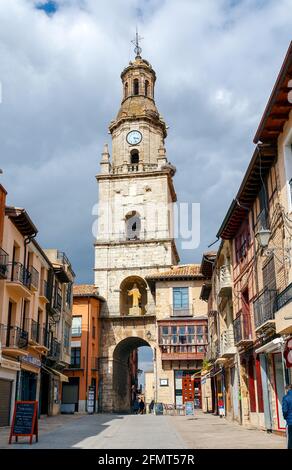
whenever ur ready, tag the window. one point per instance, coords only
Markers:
(66, 336)
(242, 242)
(184, 335)
(146, 87)
(136, 86)
(76, 358)
(180, 298)
(76, 326)
(133, 226)
(126, 89)
(69, 294)
(134, 157)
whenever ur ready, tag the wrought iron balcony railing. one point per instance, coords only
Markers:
(44, 289)
(227, 346)
(242, 328)
(58, 300)
(46, 337)
(77, 363)
(13, 337)
(34, 278)
(33, 329)
(18, 273)
(3, 264)
(284, 297)
(55, 350)
(76, 331)
(264, 307)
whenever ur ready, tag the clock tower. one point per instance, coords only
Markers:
(135, 229)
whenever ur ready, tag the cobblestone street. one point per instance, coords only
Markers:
(144, 432)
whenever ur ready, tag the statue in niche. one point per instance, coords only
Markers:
(135, 293)
(136, 296)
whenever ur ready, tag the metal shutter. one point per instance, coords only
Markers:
(5, 399)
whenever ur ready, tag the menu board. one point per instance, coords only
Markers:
(25, 420)
(189, 407)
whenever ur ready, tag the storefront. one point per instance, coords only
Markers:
(51, 390)
(9, 371)
(187, 387)
(29, 385)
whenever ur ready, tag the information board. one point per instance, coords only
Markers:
(189, 407)
(25, 420)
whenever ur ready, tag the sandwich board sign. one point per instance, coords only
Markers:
(25, 420)
(189, 408)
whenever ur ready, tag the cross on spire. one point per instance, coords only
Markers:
(135, 41)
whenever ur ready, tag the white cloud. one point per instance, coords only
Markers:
(215, 64)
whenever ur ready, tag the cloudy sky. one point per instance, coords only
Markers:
(60, 64)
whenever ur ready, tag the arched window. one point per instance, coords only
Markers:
(133, 226)
(134, 156)
(146, 87)
(136, 86)
(126, 89)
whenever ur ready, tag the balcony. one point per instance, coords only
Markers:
(55, 350)
(58, 300)
(227, 346)
(34, 279)
(225, 282)
(3, 264)
(13, 340)
(34, 330)
(183, 352)
(186, 311)
(213, 351)
(44, 291)
(78, 363)
(283, 315)
(46, 338)
(242, 329)
(264, 309)
(134, 168)
(19, 279)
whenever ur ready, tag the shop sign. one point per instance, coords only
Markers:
(288, 353)
(163, 382)
(7, 364)
(34, 361)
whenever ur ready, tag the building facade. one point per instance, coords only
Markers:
(83, 371)
(182, 335)
(257, 237)
(26, 335)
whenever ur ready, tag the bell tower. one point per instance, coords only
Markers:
(135, 222)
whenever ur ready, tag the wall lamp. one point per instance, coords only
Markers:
(263, 237)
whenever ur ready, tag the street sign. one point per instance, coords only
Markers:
(25, 420)
(189, 408)
(90, 400)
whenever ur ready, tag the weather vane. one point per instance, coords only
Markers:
(135, 41)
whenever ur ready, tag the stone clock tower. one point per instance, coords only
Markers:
(135, 230)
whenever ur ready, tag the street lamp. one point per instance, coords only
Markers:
(263, 237)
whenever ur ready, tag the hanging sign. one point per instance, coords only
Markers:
(25, 420)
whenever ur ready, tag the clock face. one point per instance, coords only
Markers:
(134, 137)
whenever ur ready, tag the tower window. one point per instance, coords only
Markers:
(126, 89)
(133, 226)
(134, 156)
(136, 86)
(146, 87)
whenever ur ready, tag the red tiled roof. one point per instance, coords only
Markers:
(187, 270)
(85, 289)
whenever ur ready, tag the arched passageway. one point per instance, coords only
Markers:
(125, 372)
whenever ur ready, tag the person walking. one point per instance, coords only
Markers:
(151, 406)
(136, 407)
(287, 414)
(141, 406)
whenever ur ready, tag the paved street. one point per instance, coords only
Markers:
(145, 432)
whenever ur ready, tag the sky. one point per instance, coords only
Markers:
(60, 63)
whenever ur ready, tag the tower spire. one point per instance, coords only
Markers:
(135, 41)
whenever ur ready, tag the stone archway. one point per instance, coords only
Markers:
(122, 373)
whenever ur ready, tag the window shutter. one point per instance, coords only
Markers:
(269, 276)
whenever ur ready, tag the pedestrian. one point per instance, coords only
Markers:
(151, 406)
(141, 406)
(136, 406)
(287, 413)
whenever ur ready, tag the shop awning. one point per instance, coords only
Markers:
(274, 345)
(62, 377)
